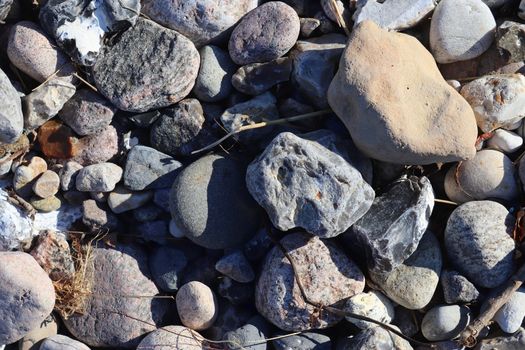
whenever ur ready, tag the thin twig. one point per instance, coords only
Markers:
(47, 79)
(340, 20)
(85, 81)
(444, 201)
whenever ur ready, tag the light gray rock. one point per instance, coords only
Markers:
(521, 10)
(300, 183)
(47, 184)
(495, 3)
(5, 7)
(509, 36)
(256, 78)
(236, 266)
(328, 276)
(461, 30)
(391, 229)
(250, 336)
(164, 338)
(11, 117)
(61, 342)
(505, 141)
(147, 168)
(329, 10)
(215, 74)
(100, 177)
(457, 288)
(33, 339)
(308, 26)
(14, 227)
(393, 14)
(445, 322)
(27, 295)
(497, 100)
(373, 305)
(413, 283)
(68, 175)
(479, 244)
(201, 21)
(505, 342)
(197, 305)
(122, 199)
(510, 316)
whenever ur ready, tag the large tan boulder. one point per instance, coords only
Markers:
(396, 105)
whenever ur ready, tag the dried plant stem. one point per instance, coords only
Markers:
(444, 201)
(85, 82)
(47, 79)
(469, 336)
(340, 20)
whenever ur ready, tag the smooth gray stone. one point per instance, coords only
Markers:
(101, 177)
(251, 336)
(11, 117)
(61, 342)
(214, 82)
(236, 266)
(510, 316)
(256, 78)
(445, 322)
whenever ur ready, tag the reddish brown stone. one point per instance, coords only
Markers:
(53, 254)
(57, 140)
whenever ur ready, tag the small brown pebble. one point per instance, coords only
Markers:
(47, 184)
(56, 140)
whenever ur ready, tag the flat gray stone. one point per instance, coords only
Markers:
(300, 183)
(445, 322)
(11, 117)
(101, 177)
(164, 338)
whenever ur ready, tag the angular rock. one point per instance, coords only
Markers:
(202, 21)
(97, 148)
(100, 177)
(14, 227)
(68, 175)
(121, 199)
(505, 141)
(328, 276)
(52, 252)
(47, 184)
(497, 100)
(197, 305)
(57, 140)
(147, 168)
(5, 7)
(237, 267)
(510, 316)
(461, 30)
(166, 264)
(215, 74)
(210, 204)
(373, 305)
(510, 38)
(394, 15)
(457, 289)
(61, 342)
(95, 217)
(256, 78)
(11, 117)
(250, 336)
(300, 183)
(308, 26)
(505, 342)
(479, 243)
(87, 112)
(412, 284)
(161, 73)
(27, 295)
(391, 229)
(79, 26)
(445, 322)
(164, 338)
(418, 119)
(115, 271)
(264, 34)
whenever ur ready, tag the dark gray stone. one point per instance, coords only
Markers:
(510, 39)
(304, 341)
(11, 117)
(181, 129)
(376, 338)
(256, 78)
(479, 243)
(78, 26)
(236, 266)
(147, 168)
(457, 288)
(515, 341)
(211, 205)
(160, 74)
(161, 198)
(149, 212)
(166, 264)
(235, 292)
(68, 174)
(257, 247)
(391, 230)
(250, 336)
(300, 183)
(328, 276)
(264, 34)
(214, 82)
(201, 269)
(154, 231)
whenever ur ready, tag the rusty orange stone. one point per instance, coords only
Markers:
(57, 140)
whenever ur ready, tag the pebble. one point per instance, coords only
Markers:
(461, 30)
(215, 74)
(35, 54)
(180, 129)
(11, 117)
(445, 322)
(117, 270)
(457, 288)
(56, 140)
(147, 168)
(26, 175)
(100, 177)
(478, 242)
(497, 100)
(373, 305)
(201, 22)
(68, 175)
(96, 218)
(197, 305)
(413, 283)
(236, 266)
(61, 342)
(327, 274)
(87, 112)
(257, 78)
(160, 74)
(300, 183)
(250, 336)
(164, 338)
(166, 264)
(308, 26)
(515, 341)
(45, 102)
(174, 230)
(47, 184)
(509, 38)
(153, 231)
(380, 120)
(33, 339)
(376, 338)
(46, 205)
(394, 15)
(392, 228)
(14, 228)
(304, 341)
(51, 251)
(121, 199)
(210, 204)
(510, 316)
(253, 39)
(505, 141)
(27, 296)
(96, 148)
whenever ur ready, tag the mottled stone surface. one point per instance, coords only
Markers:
(300, 183)
(394, 15)
(504, 342)
(373, 305)
(479, 243)
(256, 78)
(11, 117)
(47, 184)
(33, 340)
(445, 322)
(197, 305)
(164, 338)
(457, 288)
(52, 253)
(161, 73)
(510, 38)
(120, 271)
(510, 316)
(328, 276)
(96, 148)
(391, 229)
